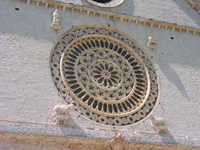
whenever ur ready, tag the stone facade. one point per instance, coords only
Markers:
(28, 94)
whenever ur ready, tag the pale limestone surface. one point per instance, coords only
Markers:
(28, 94)
(173, 11)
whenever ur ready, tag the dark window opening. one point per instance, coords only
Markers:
(102, 1)
(17, 9)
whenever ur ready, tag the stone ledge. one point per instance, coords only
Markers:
(11, 130)
(78, 142)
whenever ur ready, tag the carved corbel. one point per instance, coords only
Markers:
(55, 25)
(61, 113)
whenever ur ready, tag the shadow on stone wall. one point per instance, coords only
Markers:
(72, 129)
(174, 78)
(168, 139)
(187, 9)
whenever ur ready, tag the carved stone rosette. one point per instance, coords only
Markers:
(110, 79)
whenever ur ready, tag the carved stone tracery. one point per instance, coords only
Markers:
(110, 79)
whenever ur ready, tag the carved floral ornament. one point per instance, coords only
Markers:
(105, 74)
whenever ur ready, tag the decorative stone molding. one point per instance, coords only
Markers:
(158, 125)
(151, 43)
(112, 81)
(117, 142)
(114, 16)
(112, 3)
(79, 143)
(61, 114)
(195, 5)
(55, 25)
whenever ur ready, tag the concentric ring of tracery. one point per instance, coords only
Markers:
(110, 79)
(88, 78)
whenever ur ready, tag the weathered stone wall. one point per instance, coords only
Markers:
(173, 11)
(28, 94)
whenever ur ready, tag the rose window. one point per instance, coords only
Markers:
(108, 78)
(106, 74)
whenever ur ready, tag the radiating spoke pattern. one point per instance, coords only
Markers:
(105, 74)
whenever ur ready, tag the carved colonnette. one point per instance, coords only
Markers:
(77, 143)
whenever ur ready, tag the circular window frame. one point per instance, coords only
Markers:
(112, 3)
(75, 33)
(111, 102)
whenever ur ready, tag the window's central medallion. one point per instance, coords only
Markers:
(110, 79)
(105, 74)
